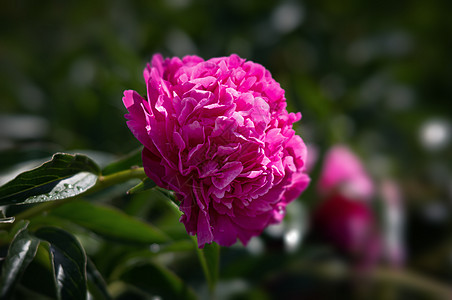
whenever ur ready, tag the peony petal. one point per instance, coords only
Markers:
(257, 222)
(300, 182)
(227, 174)
(188, 105)
(203, 230)
(157, 63)
(178, 140)
(152, 167)
(224, 230)
(137, 123)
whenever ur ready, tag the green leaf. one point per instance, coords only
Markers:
(131, 160)
(157, 281)
(43, 284)
(209, 257)
(177, 246)
(96, 283)
(142, 186)
(65, 175)
(110, 222)
(68, 263)
(21, 252)
(170, 195)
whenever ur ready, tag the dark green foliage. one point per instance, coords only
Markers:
(68, 263)
(157, 281)
(110, 223)
(20, 253)
(64, 176)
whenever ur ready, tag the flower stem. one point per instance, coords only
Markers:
(382, 275)
(413, 281)
(209, 257)
(116, 178)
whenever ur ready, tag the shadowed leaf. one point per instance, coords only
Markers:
(96, 283)
(157, 281)
(64, 176)
(68, 262)
(21, 252)
(110, 222)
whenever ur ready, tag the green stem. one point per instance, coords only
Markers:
(397, 277)
(413, 281)
(209, 257)
(102, 183)
(115, 178)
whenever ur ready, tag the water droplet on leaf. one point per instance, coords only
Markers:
(68, 186)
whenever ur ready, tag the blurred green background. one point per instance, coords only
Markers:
(374, 76)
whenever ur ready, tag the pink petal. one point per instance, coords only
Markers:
(227, 174)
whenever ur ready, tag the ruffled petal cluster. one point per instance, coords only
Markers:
(218, 134)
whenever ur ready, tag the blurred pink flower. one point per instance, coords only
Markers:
(344, 217)
(313, 155)
(343, 172)
(217, 132)
(349, 225)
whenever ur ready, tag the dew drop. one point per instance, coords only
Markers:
(70, 186)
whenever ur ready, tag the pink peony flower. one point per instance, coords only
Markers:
(343, 171)
(217, 132)
(349, 225)
(345, 217)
